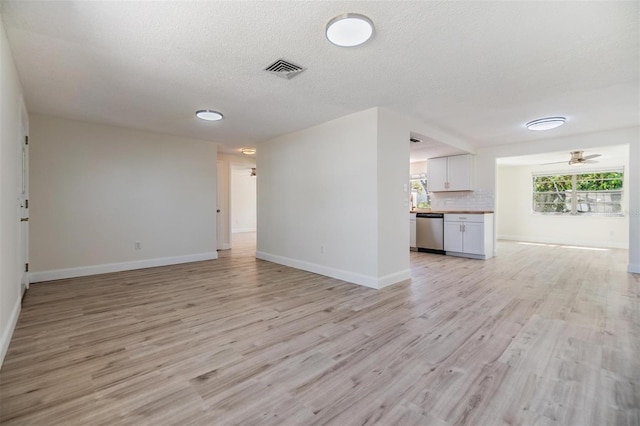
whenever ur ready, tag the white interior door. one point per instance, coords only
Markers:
(219, 222)
(223, 233)
(23, 202)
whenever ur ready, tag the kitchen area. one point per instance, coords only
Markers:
(447, 217)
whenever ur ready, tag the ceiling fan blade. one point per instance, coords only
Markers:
(591, 156)
(555, 162)
(590, 161)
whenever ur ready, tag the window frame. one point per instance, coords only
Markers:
(422, 180)
(573, 196)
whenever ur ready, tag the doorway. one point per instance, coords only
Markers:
(243, 198)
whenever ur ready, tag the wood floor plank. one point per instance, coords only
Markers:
(536, 335)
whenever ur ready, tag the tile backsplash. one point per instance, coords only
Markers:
(480, 200)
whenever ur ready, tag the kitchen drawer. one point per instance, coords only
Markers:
(461, 217)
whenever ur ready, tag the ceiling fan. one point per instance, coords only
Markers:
(577, 158)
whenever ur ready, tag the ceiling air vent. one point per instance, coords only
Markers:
(414, 140)
(284, 69)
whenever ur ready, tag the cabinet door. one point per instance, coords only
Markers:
(412, 233)
(473, 238)
(437, 174)
(459, 173)
(453, 236)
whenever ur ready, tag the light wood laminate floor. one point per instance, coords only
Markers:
(538, 335)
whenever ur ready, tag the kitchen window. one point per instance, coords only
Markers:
(590, 193)
(420, 197)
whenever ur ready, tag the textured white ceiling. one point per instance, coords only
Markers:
(475, 70)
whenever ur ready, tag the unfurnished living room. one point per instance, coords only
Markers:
(319, 212)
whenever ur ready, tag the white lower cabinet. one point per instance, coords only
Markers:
(469, 235)
(412, 230)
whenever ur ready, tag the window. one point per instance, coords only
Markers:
(419, 196)
(592, 193)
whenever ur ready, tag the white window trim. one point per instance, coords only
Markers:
(574, 199)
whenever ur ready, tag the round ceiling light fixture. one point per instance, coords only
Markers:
(248, 151)
(209, 115)
(349, 30)
(546, 123)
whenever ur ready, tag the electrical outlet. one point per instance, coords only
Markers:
(137, 245)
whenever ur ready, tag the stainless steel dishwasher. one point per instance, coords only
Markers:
(430, 232)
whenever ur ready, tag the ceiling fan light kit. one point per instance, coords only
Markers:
(546, 123)
(577, 159)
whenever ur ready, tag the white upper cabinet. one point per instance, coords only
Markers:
(437, 174)
(450, 173)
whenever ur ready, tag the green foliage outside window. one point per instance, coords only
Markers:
(550, 193)
(595, 193)
(599, 181)
(421, 198)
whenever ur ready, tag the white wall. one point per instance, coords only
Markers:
(10, 140)
(330, 196)
(392, 194)
(517, 222)
(417, 168)
(634, 204)
(97, 189)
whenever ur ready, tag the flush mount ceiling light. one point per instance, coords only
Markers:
(209, 115)
(248, 151)
(349, 30)
(546, 123)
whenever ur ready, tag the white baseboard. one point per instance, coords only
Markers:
(572, 242)
(352, 277)
(225, 246)
(82, 271)
(5, 340)
(634, 268)
(394, 278)
(238, 230)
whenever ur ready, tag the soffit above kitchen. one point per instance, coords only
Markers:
(476, 71)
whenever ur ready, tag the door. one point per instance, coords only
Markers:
(223, 218)
(429, 233)
(437, 174)
(473, 238)
(23, 201)
(412, 232)
(219, 216)
(459, 173)
(453, 236)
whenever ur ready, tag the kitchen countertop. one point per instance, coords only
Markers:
(457, 211)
